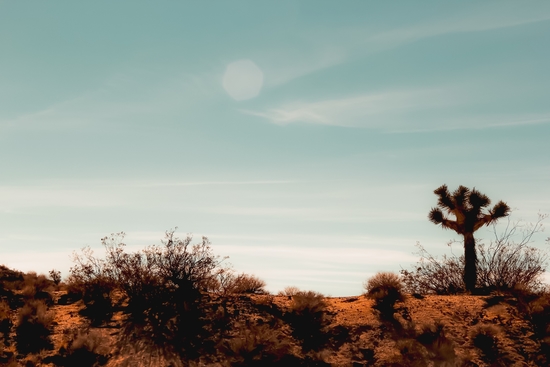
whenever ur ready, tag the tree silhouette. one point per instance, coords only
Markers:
(467, 206)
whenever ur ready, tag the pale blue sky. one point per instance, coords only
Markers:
(304, 138)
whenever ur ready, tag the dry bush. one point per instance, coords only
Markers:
(81, 348)
(508, 261)
(33, 328)
(163, 286)
(434, 275)
(486, 337)
(257, 346)
(307, 315)
(55, 276)
(290, 291)
(440, 348)
(247, 284)
(37, 287)
(225, 282)
(385, 289)
(5, 321)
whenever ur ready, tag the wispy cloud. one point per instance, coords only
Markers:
(128, 96)
(323, 49)
(400, 110)
(375, 110)
(483, 17)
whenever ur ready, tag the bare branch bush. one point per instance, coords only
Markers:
(507, 262)
(162, 285)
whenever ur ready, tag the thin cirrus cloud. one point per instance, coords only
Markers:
(376, 110)
(132, 95)
(401, 110)
(484, 19)
(338, 46)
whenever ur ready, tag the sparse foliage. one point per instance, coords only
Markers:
(289, 291)
(162, 285)
(385, 289)
(507, 262)
(33, 327)
(307, 316)
(257, 346)
(55, 276)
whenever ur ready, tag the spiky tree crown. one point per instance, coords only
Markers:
(467, 207)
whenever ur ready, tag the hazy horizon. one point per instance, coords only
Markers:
(303, 138)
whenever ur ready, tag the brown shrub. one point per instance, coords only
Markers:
(85, 349)
(289, 291)
(486, 337)
(441, 349)
(246, 284)
(55, 276)
(508, 261)
(307, 315)
(33, 328)
(5, 321)
(257, 345)
(385, 289)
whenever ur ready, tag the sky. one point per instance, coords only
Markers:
(303, 138)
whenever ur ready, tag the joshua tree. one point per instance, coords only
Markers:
(467, 206)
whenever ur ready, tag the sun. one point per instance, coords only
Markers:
(243, 80)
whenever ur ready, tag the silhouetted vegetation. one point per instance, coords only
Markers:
(179, 304)
(385, 289)
(466, 206)
(33, 327)
(507, 262)
(307, 315)
(55, 276)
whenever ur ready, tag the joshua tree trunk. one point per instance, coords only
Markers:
(470, 262)
(466, 206)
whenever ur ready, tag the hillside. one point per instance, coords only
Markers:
(264, 330)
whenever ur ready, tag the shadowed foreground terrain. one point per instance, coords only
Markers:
(294, 328)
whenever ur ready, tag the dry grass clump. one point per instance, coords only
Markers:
(247, 284)
(34, 326)
(225, 282)
(290, 291)
(37, 287)
(385, 289)
(440, 348)
(82, 348)
(307, 316)
(257, 345)
(486, 338)
(5, 321)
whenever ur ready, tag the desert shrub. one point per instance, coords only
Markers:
(411, 353)
(257, 345)
(164, 286)
(225, 282)
(81, 348)
(485, 338)
(37, 287)
(9, 278)
(98, 300)
(33, 327)
(247, 284)
(508, 261)
(385, 289)
(5, 321)
(307, 315)
(290, 291)
(440, 348)
(55, 276)
(434, 275)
